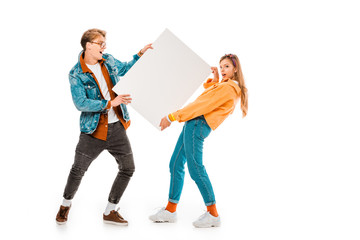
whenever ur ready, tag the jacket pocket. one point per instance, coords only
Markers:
(91, 91)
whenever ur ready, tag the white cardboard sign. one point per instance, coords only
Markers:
(164, 78)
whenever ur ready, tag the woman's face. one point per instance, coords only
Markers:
(227, 69)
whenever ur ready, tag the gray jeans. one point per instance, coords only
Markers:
(89, 148)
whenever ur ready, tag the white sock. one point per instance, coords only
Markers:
(110, 206)
(66, 203)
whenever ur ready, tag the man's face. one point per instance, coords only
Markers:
(96, 48)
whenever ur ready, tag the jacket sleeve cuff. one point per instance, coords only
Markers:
(139, 54)
(108, 106)
(208, 83)
(174, 116)
(167, 117)
(171, 117)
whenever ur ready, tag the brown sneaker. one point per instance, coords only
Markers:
(115, 218)
(61, 217)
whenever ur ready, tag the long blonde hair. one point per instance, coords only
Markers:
(239, 77)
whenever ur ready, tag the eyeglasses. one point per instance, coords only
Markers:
(101, 44)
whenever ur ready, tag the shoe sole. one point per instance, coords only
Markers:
(60, 223)
(116, 223)
(212, 225)
(162, 221)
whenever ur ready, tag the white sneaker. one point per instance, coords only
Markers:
(164, 215)
(207, 220)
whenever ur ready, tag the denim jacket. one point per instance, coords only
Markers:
(86, 93)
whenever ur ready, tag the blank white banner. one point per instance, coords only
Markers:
(164, 78)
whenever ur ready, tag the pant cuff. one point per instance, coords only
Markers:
(210, 203)
(113, 201)
(173, 201)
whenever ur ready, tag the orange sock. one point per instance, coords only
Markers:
(171, 207)
(212, 210)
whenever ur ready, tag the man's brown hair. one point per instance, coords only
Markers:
(90, 35)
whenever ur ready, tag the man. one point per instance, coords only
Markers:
(103, 121)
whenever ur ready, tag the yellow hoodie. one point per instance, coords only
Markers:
(216, 103)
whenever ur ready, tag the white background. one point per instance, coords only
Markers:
(289, 170)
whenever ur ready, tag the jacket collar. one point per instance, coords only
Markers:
(233, 83)
(85, 68)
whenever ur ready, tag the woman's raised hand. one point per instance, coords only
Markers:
(215, 71)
